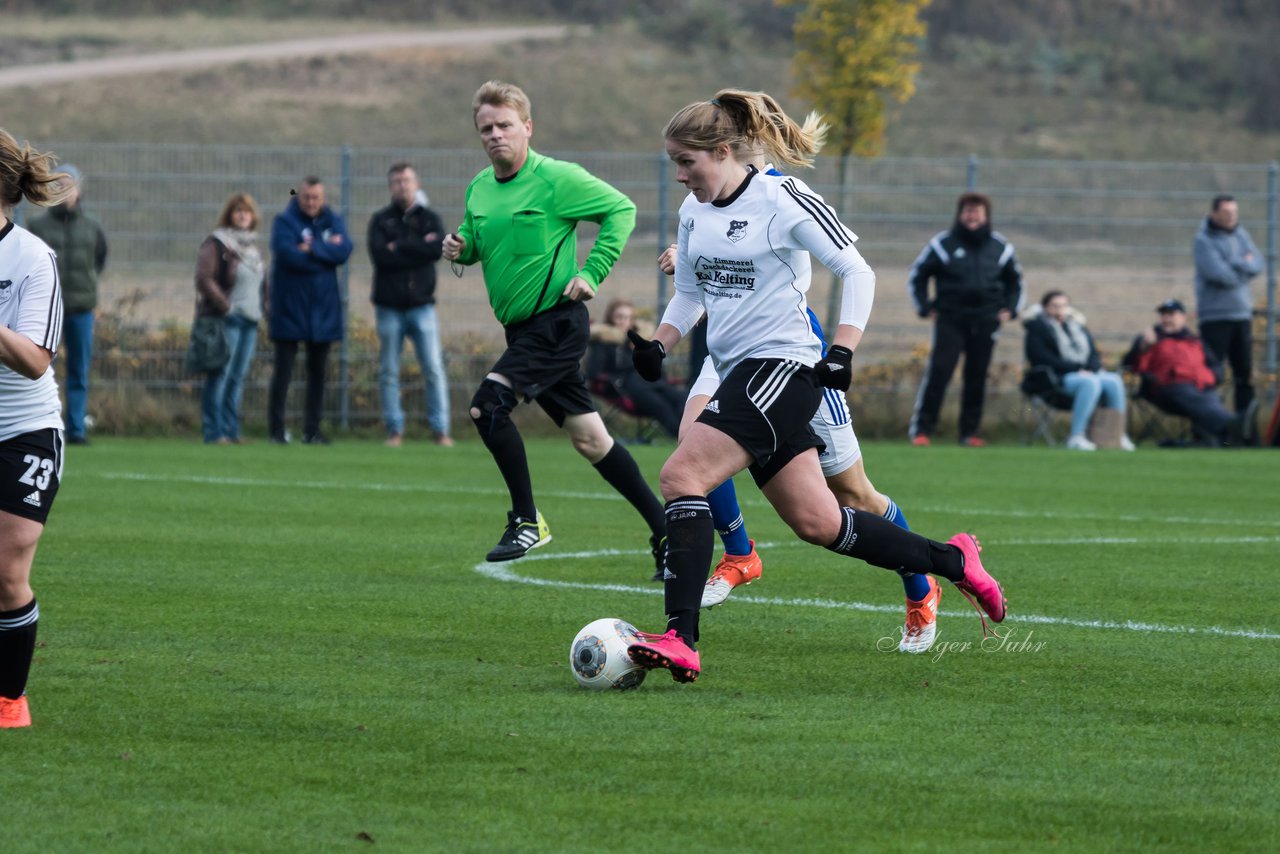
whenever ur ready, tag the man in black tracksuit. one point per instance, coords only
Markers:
(979, 286)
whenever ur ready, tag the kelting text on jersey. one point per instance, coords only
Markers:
(728, 273)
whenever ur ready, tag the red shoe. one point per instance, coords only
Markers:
(922, 621)
(731, 571)
(920, 440)
(977, 583)
(973, 442)
(669, 651)
(14, 713)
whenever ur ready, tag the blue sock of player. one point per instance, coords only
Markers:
(916, 585)
(727, 516)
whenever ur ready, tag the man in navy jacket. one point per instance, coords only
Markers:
(309, 242)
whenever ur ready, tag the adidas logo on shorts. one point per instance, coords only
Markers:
(33, 499)
(713, 406)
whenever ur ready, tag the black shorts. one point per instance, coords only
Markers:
(30, 471)
(543, 360)
(765, 405)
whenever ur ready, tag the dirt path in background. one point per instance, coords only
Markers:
(119, 66)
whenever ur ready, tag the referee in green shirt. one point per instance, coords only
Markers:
(521, 219)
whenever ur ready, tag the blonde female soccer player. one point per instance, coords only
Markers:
(739, 231)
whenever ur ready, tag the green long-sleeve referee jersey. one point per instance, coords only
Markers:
(523, 232)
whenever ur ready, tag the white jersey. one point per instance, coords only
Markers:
(746, 260)
(30, 305)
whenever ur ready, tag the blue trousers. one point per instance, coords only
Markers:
(224, 389)
(77, 345)
(419, 325)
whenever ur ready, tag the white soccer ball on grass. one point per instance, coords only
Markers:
(599, 657)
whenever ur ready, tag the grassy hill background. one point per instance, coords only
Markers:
(1141, 79)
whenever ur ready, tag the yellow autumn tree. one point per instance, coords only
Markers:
(851, 57)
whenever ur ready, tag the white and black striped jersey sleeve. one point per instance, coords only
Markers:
(816, 228)
(40, 311)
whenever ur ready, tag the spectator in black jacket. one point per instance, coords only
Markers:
(979, 286)
(404, 243)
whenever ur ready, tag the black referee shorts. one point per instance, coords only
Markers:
(543, 360)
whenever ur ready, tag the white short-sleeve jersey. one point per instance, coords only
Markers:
(745, 259)
(30, 305)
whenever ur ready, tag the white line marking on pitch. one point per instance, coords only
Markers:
(502, 572)
(749, 501)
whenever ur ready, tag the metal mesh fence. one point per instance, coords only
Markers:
(1115, 235)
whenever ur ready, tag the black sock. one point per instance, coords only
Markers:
(507, 447)
(881, 543)
(619, 468)
(690, 545)
(17, 646)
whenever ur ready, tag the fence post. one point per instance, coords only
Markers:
(971, 173)
(344, 275)
(662, 231)
(1272, 169)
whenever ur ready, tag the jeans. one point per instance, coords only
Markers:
(1087, 389)
(419, 326)
(220, 403)
(78, 344)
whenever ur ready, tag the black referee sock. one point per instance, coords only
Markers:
(17, 646)
(881, 543)
(690, 545)
(507, 448)
(619, 469)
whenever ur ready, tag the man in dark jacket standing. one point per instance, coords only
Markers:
(979, 286)
(81, 245)
(404, 245)
(309, 242)
(1226, 261)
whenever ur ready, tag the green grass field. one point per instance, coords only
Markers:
(295, 649)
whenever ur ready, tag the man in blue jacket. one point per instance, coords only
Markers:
(309, 242)
(1226, 261)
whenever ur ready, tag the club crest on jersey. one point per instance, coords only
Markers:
(6, 289)
(688, 226)
(737, 230)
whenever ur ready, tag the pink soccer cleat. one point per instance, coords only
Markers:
(982, 591)
(669, 651)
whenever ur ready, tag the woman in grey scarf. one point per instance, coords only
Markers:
(1058, 339)
(230, 280)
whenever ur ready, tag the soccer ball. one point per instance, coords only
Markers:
(599, 656)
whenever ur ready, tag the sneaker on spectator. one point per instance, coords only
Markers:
(920, 440)
(1080, 442)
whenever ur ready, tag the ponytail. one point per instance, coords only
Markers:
(28, 174)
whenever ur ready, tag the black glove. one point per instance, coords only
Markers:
(835, 370)
(647, 356)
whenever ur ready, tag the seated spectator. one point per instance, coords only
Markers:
(609, 356)
(1058, 340)
(1179, 376)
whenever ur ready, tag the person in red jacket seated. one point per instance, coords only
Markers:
(1179, 376)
